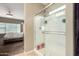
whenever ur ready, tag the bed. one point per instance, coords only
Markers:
(12, 37)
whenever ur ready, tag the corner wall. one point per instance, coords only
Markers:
(30, 9)
(69, 30)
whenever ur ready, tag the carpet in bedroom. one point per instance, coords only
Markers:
(12, 49)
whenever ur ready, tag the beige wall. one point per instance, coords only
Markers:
(30, 9)
(69, 30)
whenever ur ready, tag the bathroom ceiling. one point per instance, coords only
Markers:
(45, 4)
(16, 8)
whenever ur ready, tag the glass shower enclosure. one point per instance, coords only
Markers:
(50, 28)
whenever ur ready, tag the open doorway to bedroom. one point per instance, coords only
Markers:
(11, 28)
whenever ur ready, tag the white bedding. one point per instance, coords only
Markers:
(13, 35)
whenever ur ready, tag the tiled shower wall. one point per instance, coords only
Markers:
(55, 35)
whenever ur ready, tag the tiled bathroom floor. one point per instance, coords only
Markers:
(32, 53)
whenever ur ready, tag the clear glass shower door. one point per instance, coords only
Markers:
(49, 29)
(39, 34)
